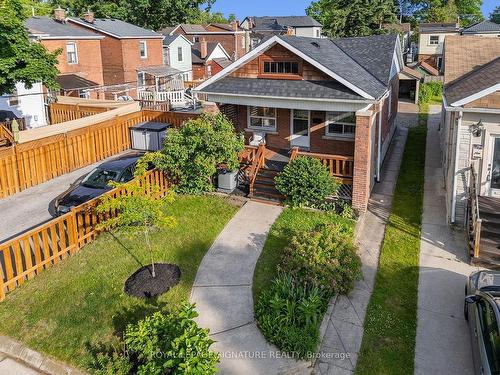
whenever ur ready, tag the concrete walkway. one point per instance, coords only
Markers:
(342, 328)
(443, 340)
(222, 292)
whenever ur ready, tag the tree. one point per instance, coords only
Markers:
(495, 15)
(469, 11)
(139, 210)
(22, 60)
(352, 17)
(191, 154)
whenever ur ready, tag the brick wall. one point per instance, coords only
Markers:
(113, 70)
(132, 57)
(232, 43)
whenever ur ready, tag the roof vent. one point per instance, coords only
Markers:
(315, 44)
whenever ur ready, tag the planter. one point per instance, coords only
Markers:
(142, 284)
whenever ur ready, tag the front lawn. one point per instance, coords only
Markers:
(78, 305)
(388, 345)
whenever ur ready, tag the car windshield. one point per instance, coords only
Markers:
(99, 178)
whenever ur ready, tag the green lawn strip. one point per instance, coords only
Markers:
(388, 345)
(81, 303)
(290, 221)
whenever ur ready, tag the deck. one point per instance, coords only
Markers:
(489, 243)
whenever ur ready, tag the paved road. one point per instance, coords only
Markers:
(30, 207)
(443, 341)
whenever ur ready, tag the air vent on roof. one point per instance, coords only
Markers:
(315, 44)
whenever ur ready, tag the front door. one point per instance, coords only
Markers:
(494, 168)
(300, 128)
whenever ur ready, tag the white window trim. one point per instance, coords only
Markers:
(181, 55)
(433, 44)
(338, 135)
(262, 128)
(76, 53)
(141, 42)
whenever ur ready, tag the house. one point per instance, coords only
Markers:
(261, 27)
(178, 55)
(431, 39)
(26, 105)
(230, 36)
(404, 29)
(129, 53)
(332, 99)
(209, 58)
(471, 139)
(484, 28)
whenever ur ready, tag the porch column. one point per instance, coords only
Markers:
(362, 174)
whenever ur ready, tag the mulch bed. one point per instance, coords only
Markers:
(142, 284)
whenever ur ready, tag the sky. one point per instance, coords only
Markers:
(243, 8)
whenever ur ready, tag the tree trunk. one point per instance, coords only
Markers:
(148, 242)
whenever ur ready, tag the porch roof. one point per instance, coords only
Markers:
(159, 71)
(293, 89)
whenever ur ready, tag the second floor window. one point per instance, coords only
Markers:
(281, 67)
(179, 54)
(143, 47)
(341, 124)
(434, 39)
(71, 53)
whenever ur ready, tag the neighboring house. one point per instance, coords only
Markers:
(471, 131)
(128, 52)
(26, 104)
(484, 28)
(230, 36)
(209, 58)
(177, 54)
(261, 27)
(404, 30)
(335, 98)
(431, 39)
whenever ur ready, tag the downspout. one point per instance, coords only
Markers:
(379, 145)
(454, 191)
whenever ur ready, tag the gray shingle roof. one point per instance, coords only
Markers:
(477, 80)
(282, 88)
(483, 27)
(52, 28)
(169, 39)
(117, 28)
(223, 62)
(279, 23)
(196, 53)
(430, 27)
(190, 29)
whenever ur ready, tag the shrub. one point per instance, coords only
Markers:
(192, 153)
(305, 182)
(325, 257)
(429, 90)
(289, 315)
(111, 364)
(171, 343)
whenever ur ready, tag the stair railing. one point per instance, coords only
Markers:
(473, 218)
(258, 162)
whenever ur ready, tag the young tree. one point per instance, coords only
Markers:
(140, 210)
(22, 60)
(495, 15)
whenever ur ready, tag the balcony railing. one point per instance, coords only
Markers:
(175, 98)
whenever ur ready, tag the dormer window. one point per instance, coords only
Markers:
(280, 69)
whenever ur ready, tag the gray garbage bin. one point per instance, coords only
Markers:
(227, 181)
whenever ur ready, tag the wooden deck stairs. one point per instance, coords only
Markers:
(489, 243)
(264, 187)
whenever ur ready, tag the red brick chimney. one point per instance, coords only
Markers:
(234, 25)
(289, 31)
(203, 48)
(89, 16)
(59, 14)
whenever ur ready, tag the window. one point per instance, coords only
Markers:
(300, 122)
(262, 118)
(141, 79)
(490, 335)
(341, 124)
(434, 39)
(71, 53)
(281, 67)
(14, 99)
(143, 48)
(439, 63)
(179, 54)
(84, 94)
(196, 39)
(318, 33)
(209, 70)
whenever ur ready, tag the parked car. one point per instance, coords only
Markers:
(482, 310)
(97, 182)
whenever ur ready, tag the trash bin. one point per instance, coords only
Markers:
(148, 136)
(227, 180)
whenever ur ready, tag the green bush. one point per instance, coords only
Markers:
(430, 90)
(192, 153)
(305, 182)
(289, 315)
(111, 364)
(325, 257)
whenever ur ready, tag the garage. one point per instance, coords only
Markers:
(409, 81)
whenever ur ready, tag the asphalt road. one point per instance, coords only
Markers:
(29, 208)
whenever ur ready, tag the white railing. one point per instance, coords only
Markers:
(175, 98)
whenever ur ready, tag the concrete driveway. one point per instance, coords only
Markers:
(29, 208)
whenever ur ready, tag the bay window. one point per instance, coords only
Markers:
(262, 118)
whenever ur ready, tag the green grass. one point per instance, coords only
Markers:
(388, 345)
(290, 221)
(80, 303)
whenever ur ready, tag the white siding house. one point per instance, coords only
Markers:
(177, 54)
(26, 103)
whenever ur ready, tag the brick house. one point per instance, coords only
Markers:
(127, 51)
(332, 99)
(230, 36)
(208, 59)
(431, 40)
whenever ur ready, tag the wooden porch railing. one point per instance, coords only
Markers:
(247, 155)
(339, 166)
(27, 255)
(474, 221)
(20, 121)
(258, 161)
(6, 136)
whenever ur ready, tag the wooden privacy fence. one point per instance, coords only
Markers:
(25, 256)
(31, 163)
(68, 112)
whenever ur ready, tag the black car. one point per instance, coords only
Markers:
(97, 182)
(482, 310)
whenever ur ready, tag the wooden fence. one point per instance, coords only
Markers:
(68, 112)
(25, 256)
(31, 163)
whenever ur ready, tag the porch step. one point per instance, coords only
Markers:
(264, 186)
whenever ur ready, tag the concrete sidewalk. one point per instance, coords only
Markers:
(222, 292)
(443, 340)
